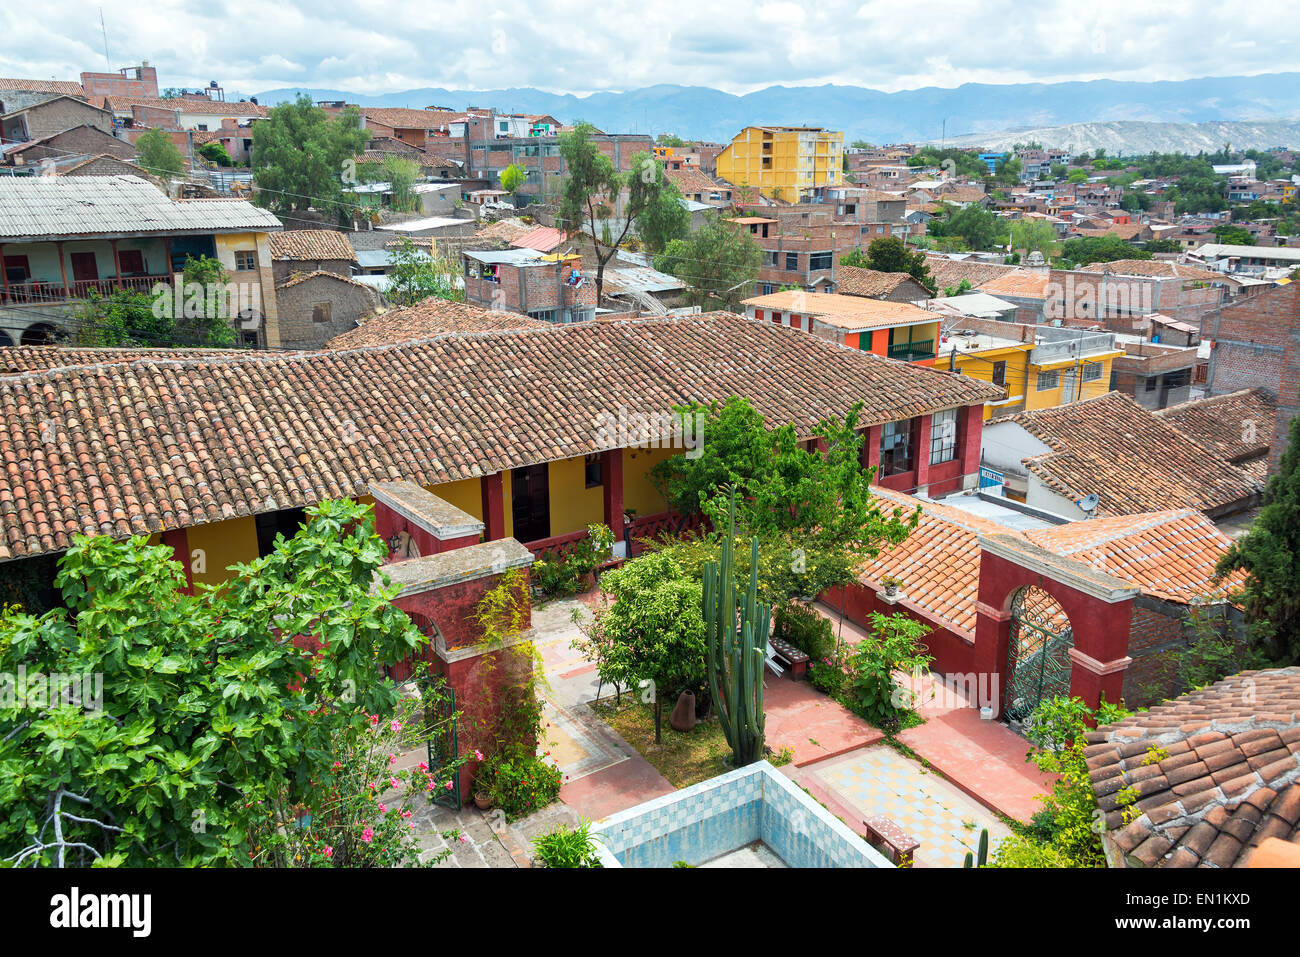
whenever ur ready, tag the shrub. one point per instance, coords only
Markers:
(556, 577)
(804, 628)
(895, 645)
(567, 847)
(522, 784)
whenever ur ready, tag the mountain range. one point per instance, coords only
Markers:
(931, 113)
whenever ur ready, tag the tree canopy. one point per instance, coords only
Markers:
(718, 263)
(157, 154)
(302, 157)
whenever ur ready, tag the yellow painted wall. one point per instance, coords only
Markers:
(573, 505)
(222, 544)
(226, 245)
(466, 495)
(980, 366)
(638, 493)
(800, 161)
(1049, 398)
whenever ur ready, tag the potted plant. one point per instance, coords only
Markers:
(484, 780)
(891, 585)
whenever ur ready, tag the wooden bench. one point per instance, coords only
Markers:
(891, 840)
(795, 659)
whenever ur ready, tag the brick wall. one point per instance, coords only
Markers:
(79, 139)
(54, 116)
(1257, 345)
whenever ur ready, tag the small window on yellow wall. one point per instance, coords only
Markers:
(1047, 381)
(245, 259)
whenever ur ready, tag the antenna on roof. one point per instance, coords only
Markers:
(108, 64)
(1088, 504)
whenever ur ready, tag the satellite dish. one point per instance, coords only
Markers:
(1089, 504)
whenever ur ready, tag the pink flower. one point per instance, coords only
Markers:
(406, 814)
(395, 725)
(329, 851)
(423, 765)
(382, 809)
(394, 782)
(430, 787)
(374, 720)
(338, 764)
(463, 839)
(374, 786)
(448, 785)
(368, 835)
(392, 759)
(478, 755)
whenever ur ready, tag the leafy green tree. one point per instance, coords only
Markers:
(206, 726)
(590, 203)
(1233, 235)
(157, 154)
(870, 689)
(417, 274)
(1077, 176)
(1033, 234)
(401, 175)
(890, 254)
(303, 157)
(125, 317)
(718, 263)
(662, 218)
(1100, 249)
(1007, 170)
(1163, 246)
(512, 177)
(979, 228)
(215, 152)
(1269, 553)
(670, 139)
(654, 630)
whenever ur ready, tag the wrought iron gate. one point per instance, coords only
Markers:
(443, 745)
(1038, 656)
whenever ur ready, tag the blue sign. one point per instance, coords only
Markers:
(990, 478)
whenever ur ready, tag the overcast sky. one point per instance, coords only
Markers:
(579, 46)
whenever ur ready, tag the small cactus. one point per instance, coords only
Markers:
(983, 851)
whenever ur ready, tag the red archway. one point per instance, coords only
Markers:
(1099, 609)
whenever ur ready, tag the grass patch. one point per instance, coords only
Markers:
(684, 759)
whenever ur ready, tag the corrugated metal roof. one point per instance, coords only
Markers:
(40, 208)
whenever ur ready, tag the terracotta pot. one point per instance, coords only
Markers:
(482, 801)
(683, 716)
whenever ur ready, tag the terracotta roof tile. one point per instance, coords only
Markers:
(871, 283)
(1134, 460)
(1237, 426)
(311, 244)
(427, 319)
(139, 447)
(1213, 812)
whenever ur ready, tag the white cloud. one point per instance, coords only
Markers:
(375, 46)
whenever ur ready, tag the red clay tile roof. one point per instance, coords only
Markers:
(950, 272)
(844, 312)
(135, 448)
(1154, 267)
(1023, 283)
(401, 118)
(186, 104)
(690, 181)
(1217, 772)
(1169, 555)
(56, 87)
(427, 319)
(302, 277)
(1131, 458)
(1237, 426)
(311, 244)
(871, 283)
(18, 359)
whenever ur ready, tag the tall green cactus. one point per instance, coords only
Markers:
(983, 859)
(738, 627)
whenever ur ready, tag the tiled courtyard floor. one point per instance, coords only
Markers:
(880, 781)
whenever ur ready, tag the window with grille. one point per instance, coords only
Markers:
(791, 260)
(245, 259)
(1091, 371)
(896, 447)
(1048, 380)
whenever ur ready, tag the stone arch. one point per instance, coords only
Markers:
(1038, 661)
(39, 334)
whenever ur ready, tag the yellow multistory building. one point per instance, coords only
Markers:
(784, 162)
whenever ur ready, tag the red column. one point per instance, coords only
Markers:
(972, 428)
(494, 507)
(611, 479)
(922, 453)
(179, 542)
(871, 448)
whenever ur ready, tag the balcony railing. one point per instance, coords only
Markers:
(43, 290)
(913, 351)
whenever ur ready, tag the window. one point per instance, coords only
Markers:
(1149, 384)
(943, 436)
(131, 261)
(896, 447)
(1047, 380)
(791, 260)
(320, 312)
(767, 288)
(819, 261)
(245, 259)
(1178, 378)
(592, 468)
(1091, 371)
(1000, 373)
